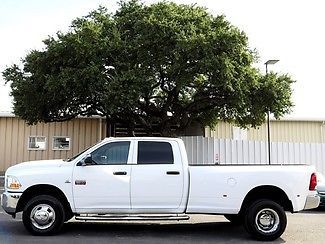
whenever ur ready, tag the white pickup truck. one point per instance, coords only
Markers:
(150, 179)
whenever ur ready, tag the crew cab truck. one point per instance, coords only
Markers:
(150, 179)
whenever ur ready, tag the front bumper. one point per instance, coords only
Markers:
(312, 201)
(9, 201)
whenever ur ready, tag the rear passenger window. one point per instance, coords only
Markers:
(150, 152)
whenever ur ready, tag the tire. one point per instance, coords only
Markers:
(43, 215)
(265, 220)
(235, 219)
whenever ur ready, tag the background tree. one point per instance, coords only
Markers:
(166, 65)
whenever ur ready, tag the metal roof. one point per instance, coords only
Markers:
(11, 114)
(286, 118)
(6, 114)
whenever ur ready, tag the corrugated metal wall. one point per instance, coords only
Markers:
(290, 131)
(222, 130)
(14, 134)
(281, 131)
(208, 150)
(84, 132)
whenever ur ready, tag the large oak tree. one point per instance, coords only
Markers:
(166, 65)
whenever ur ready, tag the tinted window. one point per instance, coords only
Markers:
(155, 153)
(112, 153)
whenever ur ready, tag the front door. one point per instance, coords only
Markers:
(104, 185)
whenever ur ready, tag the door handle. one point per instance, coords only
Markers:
(120, 173)
(172, 172)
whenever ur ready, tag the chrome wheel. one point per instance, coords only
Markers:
(42, 216)
(267, 220)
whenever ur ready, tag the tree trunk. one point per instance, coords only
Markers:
(131, 128)
(110, 127)
(113, 129)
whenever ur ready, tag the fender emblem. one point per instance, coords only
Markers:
(80, 182)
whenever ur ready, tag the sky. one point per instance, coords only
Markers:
(291, 31)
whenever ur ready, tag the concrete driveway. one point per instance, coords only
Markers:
(307, 227)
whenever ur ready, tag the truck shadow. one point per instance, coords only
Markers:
(211, 232)
(13, 231)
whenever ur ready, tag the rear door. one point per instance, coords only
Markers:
(157, 182)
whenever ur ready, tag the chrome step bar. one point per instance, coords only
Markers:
(130, 217)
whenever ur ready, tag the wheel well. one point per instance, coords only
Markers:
(43, 189)
(267, 192)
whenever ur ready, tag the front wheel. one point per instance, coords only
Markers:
(265, 220)
(43, 215)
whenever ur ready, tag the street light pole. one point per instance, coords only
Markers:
(268, 136)
(270, 61)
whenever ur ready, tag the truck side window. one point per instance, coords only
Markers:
(112, 153)
(151, 152)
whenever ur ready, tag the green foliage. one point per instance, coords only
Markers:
(144, 62)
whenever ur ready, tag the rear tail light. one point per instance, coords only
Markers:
(313, 182)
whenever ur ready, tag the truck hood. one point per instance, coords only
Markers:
(34, 166)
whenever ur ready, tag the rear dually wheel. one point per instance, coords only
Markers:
(265, 220)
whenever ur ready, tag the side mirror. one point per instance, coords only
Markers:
(86, 161)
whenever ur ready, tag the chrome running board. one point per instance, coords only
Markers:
(130, 217)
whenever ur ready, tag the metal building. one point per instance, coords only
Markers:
(284, 130)
(20, 142)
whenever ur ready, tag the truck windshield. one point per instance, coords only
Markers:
(75, 156)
